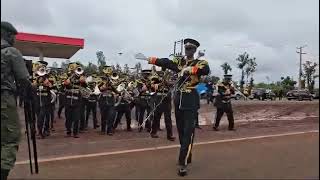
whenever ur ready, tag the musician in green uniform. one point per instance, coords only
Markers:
(223, 102)
(162, 101)
(42, 86)
(54, 91)
(186, 100)
(91, 106)
(143, 102)
(73, 97)
(107, 101)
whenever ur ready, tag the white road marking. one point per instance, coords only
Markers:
(163, 147)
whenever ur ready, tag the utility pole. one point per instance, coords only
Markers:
(300, 64)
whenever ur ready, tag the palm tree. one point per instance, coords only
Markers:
(226, 67)
(309, 73)
(250, 68)
(243, 60)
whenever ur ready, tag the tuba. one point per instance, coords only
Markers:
(79, 70)
(114, 78)
(41, 71)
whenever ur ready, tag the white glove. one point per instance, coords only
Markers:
(186, 70)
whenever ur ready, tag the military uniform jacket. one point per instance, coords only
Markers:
(144, 98)
(107, 96)
(72, 93)
(92, 99)
(162, 92)
(186, 96)
(225, 90)
(11, 67)
(43, 95)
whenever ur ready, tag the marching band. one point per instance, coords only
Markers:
(114, 94)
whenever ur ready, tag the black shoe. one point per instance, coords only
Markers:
(76, 136)
(129, 129)
(182, 171)
(140, 129)
(159, 129)
(215, 128)
(171, 138)
(231, 129)
(4, 174)
(154, 136)
(110, 134)
(96, 126)
(102, 133)
(68, 134)
(198, 127)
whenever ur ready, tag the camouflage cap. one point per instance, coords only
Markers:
(8, 27)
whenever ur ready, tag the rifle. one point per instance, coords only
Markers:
(30, 120)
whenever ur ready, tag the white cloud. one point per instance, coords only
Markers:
(269, 30)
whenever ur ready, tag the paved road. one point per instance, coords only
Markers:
(242, 159)
(291, 156)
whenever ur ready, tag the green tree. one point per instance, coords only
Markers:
(309, 74)
(242, 59)
(55, 65)
(138, 67)
(226, 67)
(126, 69)
(287, 84)
(250, 69)
(64, 65)
(90, 68)
(118, 68)
(101, 60)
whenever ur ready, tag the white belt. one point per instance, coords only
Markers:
(72, 97)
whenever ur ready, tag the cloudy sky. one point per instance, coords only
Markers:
(269, 30)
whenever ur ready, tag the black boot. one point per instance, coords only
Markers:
(4, 174)
(182, 171)
(171, 138)
(154, 135)
(215, 128)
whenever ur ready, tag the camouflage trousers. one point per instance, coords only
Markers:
(10, 130)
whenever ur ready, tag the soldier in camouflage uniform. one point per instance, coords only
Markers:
(13, 69)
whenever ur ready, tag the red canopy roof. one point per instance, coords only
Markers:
(49, 46)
